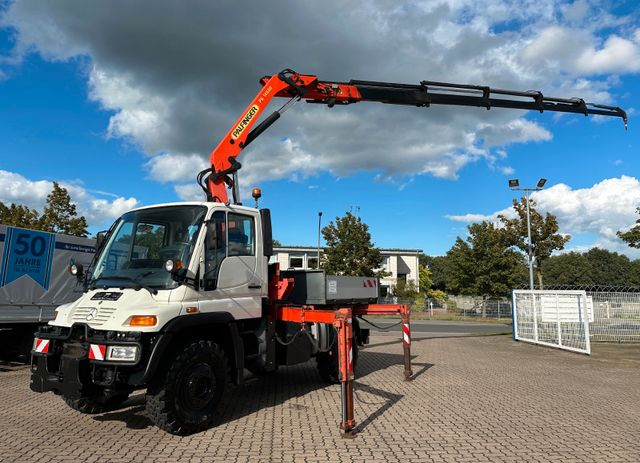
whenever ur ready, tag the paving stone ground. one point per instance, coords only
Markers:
(473, 399)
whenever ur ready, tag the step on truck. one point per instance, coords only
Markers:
(181, 299)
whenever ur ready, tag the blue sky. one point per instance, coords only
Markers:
(131, 123)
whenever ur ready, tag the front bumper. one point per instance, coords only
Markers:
(72, 365)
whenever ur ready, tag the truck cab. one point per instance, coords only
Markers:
(165, 258)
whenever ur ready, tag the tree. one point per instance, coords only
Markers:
(17, 215)
(544, 233)
(572, 268)
(594, 267)
(60, 214)
(437, 266)
(276, 243)
(349, 250)
(405, 289)
(426, 285)
(632, 236)
(634, 273)
(608, 268)
(460, 274)
(485, 264)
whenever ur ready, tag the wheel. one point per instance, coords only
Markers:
(183, 399)
(101, 403)
(328, 364)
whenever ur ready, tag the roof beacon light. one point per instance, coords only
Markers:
(257, 194)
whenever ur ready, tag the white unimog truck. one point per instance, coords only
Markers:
(175, 303)
(181, 297)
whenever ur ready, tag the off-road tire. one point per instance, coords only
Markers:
(328, 364)
(183, 398)
(97, 404)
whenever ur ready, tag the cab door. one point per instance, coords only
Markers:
(230, 266)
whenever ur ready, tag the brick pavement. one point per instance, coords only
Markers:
(473, 399)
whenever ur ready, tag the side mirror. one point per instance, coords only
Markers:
(100, 240)
(76, 270)
(267, 239)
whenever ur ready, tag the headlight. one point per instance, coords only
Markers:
(122, 353)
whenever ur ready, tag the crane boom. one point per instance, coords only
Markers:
(289, 84)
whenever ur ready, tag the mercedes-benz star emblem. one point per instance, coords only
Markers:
(92, 313)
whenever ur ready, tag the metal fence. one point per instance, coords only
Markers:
(616, 312)
(457, 306)
(616, 316)
(478, 307)
(553, 318)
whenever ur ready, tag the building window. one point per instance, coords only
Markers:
(402, 277)
(296, 262)
(385, 263)
(312, 262)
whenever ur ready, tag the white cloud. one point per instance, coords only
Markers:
(470, 218)
(507, 170)
(99, 212)
(602, 209)
(173, 80)
(616, 55)
(514, 131)
(175, 168)
(582, 53)
(576, 11)
(189, 192)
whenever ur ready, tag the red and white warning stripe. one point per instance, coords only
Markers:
(42, 346)
(406, 333)
(350, 345)
(369, 283)
(96, 351)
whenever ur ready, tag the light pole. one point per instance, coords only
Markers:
(514, 184)
(319, 222)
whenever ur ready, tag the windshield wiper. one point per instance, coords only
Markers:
(138, 286)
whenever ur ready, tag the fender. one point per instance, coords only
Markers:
(185, 322)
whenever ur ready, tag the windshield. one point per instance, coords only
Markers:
(142, 241)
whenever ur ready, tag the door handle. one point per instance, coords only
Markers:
(255, 286)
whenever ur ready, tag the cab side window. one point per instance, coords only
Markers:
(241, 235)
(215, 249)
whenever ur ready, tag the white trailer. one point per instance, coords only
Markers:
(33, 281)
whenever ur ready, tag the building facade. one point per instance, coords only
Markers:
(397, 263)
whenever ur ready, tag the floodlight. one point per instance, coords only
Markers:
(541, 182)
(514, 183)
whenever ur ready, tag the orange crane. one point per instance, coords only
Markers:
(295, 87)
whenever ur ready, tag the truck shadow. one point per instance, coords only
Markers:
(417, 339)
(288, 387)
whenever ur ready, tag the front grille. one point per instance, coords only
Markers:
(101, 317)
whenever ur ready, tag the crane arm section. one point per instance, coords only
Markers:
(289, 84)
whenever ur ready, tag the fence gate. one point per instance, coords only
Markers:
(553, 318)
